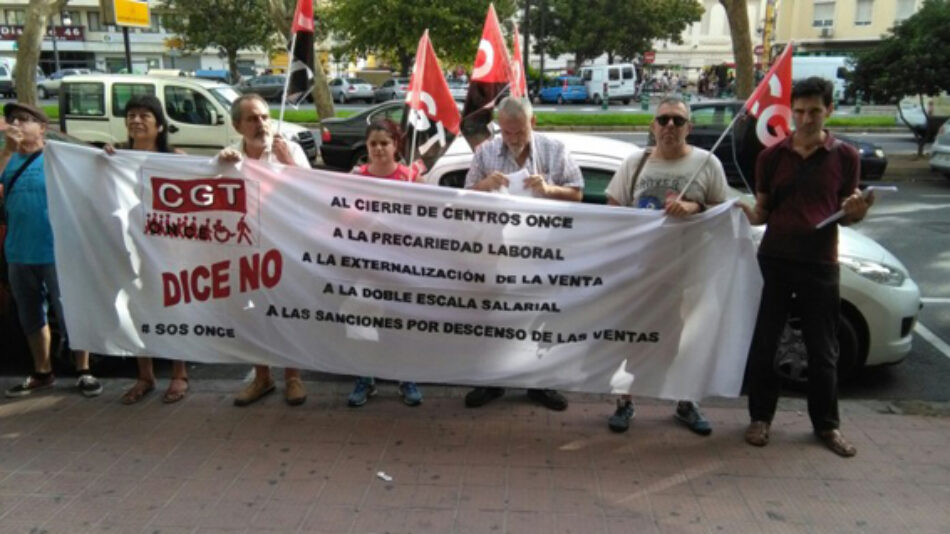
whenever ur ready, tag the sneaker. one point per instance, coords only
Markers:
(31, 384)
(365, 388)
(548, 398)
(88, 385)
(620, 420)
(482, 396)
(687, 412)
(295, 394)
(254, 392)
(410, 393)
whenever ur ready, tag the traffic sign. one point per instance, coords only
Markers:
(125, 13)
(649, 56)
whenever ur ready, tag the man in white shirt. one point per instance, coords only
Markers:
(251, 118)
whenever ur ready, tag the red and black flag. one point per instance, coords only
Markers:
(490, 77)
(300, 75)
(431, 119)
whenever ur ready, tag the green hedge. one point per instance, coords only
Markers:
(572, 119)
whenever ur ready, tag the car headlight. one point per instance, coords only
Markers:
(874, 271)
(879, 152)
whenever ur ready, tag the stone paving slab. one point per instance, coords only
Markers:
(75, 465)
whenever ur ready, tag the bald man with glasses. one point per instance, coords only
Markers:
(653, 179)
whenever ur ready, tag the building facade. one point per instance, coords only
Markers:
(838, 27)
(83, 41)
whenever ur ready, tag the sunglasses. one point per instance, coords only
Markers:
(678, 121)
(21, 117)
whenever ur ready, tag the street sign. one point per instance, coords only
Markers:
(125, 13)
(759, 50)
(649, 56)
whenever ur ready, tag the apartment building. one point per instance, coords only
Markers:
(838, 27)
(83, 41)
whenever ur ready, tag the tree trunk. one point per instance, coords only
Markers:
(738, 16)
(321, 93)
(30, 45)
(232, 65)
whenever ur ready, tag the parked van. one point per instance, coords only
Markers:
(621, 80)
(92, 108)
(832, 68)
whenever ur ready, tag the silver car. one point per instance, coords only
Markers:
(879, 300)
(344, 90)
(940, 151)
(392, 89)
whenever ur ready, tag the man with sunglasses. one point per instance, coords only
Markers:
(29, 246)
(654, 179)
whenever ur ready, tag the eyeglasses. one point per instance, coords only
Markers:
(21, 117)
(663, 120)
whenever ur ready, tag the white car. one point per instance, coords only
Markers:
(940, 151)
(49, 87)
(879, 300)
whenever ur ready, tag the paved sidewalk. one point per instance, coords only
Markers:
(74, 465)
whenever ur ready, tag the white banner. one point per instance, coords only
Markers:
(183, 258)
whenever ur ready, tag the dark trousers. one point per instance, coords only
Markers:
(816, 291)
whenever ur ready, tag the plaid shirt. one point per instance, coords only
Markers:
(552, 162)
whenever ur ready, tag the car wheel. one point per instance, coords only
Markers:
(42, 93)
(560, 100)
(598, 100)
(791, 359)
(626, 101)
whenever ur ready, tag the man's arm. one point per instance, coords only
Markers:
(757, 214)
(536, 183)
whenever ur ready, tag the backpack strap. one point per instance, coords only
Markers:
(636, 173)
(19, 172)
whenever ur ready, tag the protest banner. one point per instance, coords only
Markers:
(184, 257)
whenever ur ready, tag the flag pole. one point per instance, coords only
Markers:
(283, 99)
(710, 153)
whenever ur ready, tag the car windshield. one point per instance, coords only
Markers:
(225, 94)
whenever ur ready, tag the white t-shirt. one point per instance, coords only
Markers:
(296, 152)
(660, 178)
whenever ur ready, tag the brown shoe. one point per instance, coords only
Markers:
(295, 394)
(254, 392)
(757, 434)
(836, 442)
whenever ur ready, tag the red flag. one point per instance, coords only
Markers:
(303, 17)
(431, 118)
(519, 86)
(489, 78)
(771, 102)
(300, 72)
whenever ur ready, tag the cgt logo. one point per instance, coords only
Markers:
(203, 194)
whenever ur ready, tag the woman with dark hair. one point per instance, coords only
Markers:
(383, 142)
(148, 131)
(383, 147)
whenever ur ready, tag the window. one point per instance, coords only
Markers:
(905, 8)
(394, 114)
(85, 99)
(824, 14)
(628, 73)
(586, 74)
(71, 16)
(613, 74)
(862, 15)
(95, 23)
(595, 184)
(122, 92)
(15, 16)
(190, 107)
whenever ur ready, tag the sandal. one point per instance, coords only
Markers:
(175, 395)
(137, 392)
(757, 434)
(836, 442)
